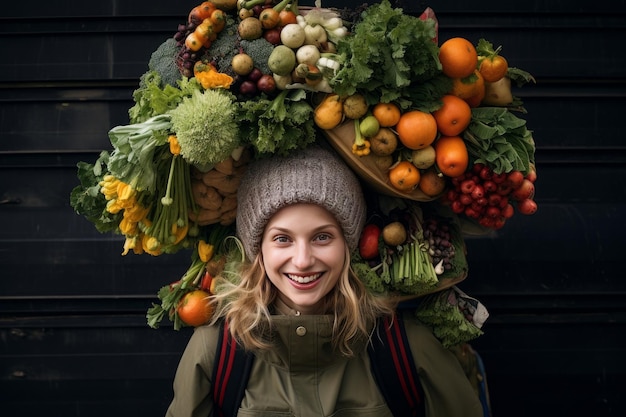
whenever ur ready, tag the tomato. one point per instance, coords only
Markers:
(368, 244)
(286, 17)
(493, 68)
(205, 283)
(194, 308)
(508, 211)
(515, 179)
(269, 18)
(527, 206)
(525, 190)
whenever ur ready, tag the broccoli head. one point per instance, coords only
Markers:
(259, 50)
(163, 62)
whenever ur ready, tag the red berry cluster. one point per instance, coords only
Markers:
(488, 198)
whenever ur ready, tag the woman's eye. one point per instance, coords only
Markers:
(323, 237)
(281, 239)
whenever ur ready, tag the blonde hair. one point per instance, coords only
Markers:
(246, 307)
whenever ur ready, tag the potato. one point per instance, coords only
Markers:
(394, 234)
(250, 29)
(242, 64)
(225, 4)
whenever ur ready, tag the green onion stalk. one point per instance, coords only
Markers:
(170, 224)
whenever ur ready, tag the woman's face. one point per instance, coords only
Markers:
(304, 253)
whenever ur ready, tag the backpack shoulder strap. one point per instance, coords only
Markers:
(394, 369)
(231, 372)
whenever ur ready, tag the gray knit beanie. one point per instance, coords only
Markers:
(313, 175)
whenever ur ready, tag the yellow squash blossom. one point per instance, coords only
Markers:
(128, 227)
(134, 244)
(174, 145)
(179, 232)
(136, 213)
(114, 206)
(151, 245)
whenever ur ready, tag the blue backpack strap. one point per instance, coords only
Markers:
(231, 372)
(394, 369)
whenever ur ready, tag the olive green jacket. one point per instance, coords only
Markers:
(302, 376)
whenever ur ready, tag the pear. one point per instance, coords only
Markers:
(369, 126)
(423, 158)
(498, 93)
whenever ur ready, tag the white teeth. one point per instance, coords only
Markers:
(303, 280)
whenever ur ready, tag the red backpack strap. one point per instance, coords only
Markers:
(231, 372)
(394, 369)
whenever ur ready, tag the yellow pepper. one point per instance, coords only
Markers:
(361, 150)
(209, 77)
(205, 251)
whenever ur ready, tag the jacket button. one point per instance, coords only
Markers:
(301, 330)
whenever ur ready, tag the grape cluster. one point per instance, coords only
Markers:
(438, 235)
(488, 197)
(186, 57)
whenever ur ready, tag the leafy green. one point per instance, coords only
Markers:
(152, 98)
(86, 198)
(388, 57)
(280, 125)
(520, 77)
(133, 156)
(446, 314)
(367, 275)
(499, 139)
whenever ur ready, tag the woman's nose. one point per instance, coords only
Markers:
(303, 256)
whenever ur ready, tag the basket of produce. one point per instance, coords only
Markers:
(432, 128)
(408, 250)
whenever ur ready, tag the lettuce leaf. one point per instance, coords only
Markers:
(391, 56)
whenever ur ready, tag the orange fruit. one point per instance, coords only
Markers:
(468, 86)
(458, 57)
(194, 309)
(387, 114)
(453, 116)
(451, 155)
(476, 99)
(493, 68)
(404, 176)
(431, 183)
(416, 129)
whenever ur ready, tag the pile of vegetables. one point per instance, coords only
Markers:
(244, 79)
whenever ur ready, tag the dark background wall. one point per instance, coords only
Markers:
(73, 336)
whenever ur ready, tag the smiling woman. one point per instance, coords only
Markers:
(303, 315)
